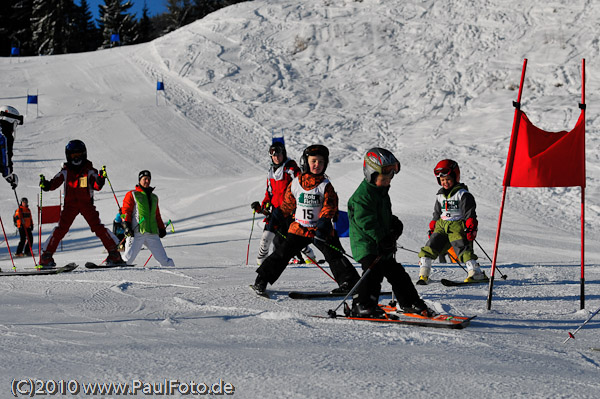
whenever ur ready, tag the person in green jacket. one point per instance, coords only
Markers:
(143, 223)
(374, 231)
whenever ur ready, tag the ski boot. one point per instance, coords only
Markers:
(417, 308)
(366, 311)
(46, 261)
(424, 270)
(476, 275)
(260, 285)
(343, 289)
(114, 259)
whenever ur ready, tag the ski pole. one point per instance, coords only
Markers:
(311, 259)
(150, 257)
(332, 312)
(335, 248)
(502, 275)
(103, 170)
(40, 221)
(23, 226)
(8, 246)
(249, 239)
(572, 334)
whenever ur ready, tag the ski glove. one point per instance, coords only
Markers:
(44, 184)
(277, 219)
(471, 228)
(323, 230)
(431, 228)
(397, 227)
(102, 172)
(162, 233)
(255, 206)
(13, 180)
(128, 229)
(387, 246)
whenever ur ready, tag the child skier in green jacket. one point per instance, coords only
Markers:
(374, 231)
(454, 224)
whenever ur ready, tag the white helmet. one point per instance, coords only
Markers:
(10, 114)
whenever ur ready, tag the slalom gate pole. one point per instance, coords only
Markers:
(22, 225)
(502, 275)
(111, 188)
(249, 239)
(572, 334)
(332, 312)
(40, 222)
(8, 246)
(311, 259)
(335, 248)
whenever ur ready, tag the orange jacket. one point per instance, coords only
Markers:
(330, 203)
(23, 218)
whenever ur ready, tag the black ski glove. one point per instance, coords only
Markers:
(387, 246)
(255, 206)
(397, 227)
(323, 231)
(162, 233)
(127, 228)
(13, 180)
(44, 184)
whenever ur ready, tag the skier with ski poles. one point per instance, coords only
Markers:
(314, 202)
(141, 212)
(281, 173)
(374, 231)
(24, 222)
(80, 179)
(454, 224)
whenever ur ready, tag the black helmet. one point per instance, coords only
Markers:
(312, 150)
(277, 148)
(25, 200)
(76, 152)
(379, 161)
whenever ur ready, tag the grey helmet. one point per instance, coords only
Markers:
(379, 161)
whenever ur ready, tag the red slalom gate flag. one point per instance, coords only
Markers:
(546, 159)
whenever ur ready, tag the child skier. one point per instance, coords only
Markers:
(314, 202)
(24, 222)
(374, 231)
(141, 213)
(454, 224)
(9, 119)
(80, 180)
(280, 175)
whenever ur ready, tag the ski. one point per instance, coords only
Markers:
(41, 272)
(262, 294)
(316, 295)
(394, 317)
(91, 265)
(453, 283)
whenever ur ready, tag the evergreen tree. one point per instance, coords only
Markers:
(15, 27)
(52, 26)
(114, 19)
(87, 37)
(181, 12)
(145, 32)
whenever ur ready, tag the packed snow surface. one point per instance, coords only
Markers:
(426, 79)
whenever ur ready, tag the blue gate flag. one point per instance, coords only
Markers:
(160, 86)
(15, 51)
(342, 224)
(32, 99)
(278, 140)
(115, 38)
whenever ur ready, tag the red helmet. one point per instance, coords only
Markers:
(447, 167)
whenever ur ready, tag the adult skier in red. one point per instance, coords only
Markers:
(80, 180)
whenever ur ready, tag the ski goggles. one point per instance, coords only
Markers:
(76, 155)
(275, 151)
(442, 172)
(11, 117)
(390, 170)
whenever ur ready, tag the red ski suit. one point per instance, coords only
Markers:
(79, 185)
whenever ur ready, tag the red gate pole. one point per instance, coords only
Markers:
(507, 175)
(582, 106)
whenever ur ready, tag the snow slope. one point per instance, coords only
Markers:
(426, 79)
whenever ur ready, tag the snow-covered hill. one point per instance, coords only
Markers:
(426, 79)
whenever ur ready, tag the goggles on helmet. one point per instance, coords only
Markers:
(442, 172)
(392, 169)
(275, 151)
